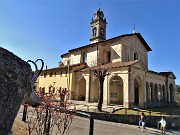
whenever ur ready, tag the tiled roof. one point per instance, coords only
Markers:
(74, 65)
(167, 74)
(111, 39)
(112, 65)
(121, 64)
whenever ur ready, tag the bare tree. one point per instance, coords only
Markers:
(100, 71)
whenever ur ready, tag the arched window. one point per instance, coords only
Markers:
(135, 56)
(102, 31)
(85, 57)
(94, 31)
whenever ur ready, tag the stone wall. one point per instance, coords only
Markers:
(151, 121)
(16, 86)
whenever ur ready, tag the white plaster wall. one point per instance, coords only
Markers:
(116, 53)
(76, 56)
(121, 50)
(92, 56)
(106, 91)
(132, 45)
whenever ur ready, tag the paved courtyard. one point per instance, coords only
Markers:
(80, 126)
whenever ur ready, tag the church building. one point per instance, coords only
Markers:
(129, 83)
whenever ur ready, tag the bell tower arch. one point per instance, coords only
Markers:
(98, 27)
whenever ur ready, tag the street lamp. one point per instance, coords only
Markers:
(68, 77)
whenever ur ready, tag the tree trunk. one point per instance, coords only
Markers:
(100, 101)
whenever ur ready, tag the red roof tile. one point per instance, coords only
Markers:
(112, 65)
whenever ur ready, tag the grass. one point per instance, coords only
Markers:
(156, 111)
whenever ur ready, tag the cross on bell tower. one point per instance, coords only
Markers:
(98, 27)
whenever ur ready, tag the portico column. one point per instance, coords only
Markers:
(160, 93)
(87, 87)
(174, 93)
(144, 98)
(106, 91)
(128, 90)
(153, 98)
(168, 92)
(148, 94)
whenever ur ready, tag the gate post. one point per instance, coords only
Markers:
(91, 123)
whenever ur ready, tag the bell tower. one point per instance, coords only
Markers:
(98, 27)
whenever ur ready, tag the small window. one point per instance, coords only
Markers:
(135, 56)
(85, 57)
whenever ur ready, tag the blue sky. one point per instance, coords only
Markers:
(48, 28)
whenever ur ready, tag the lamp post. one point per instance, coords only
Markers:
(91, 120)
(68, 77)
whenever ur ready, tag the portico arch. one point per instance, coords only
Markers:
(94, 90)
(171, 93)
(82, 89)
(138, 92)
(116, 90)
